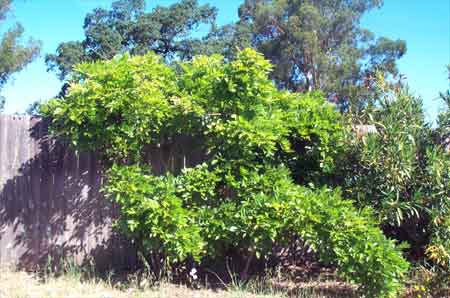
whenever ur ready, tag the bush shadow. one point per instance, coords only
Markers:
(51, 207)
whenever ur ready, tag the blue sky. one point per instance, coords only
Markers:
(425, 25)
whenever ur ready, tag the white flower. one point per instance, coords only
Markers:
(193, 273)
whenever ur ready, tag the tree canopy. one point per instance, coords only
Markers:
(315, 45)
(126, 27)
(14, 53)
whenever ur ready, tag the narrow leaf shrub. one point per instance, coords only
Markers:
(402, 171)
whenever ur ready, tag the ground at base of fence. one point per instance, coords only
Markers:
(19, 284)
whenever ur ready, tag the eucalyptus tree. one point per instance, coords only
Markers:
(316, 45)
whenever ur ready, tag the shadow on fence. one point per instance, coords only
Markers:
(50, 205)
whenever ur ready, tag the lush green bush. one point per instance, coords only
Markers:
(115, 107)
(177, 218)
(257, 141)
(154, 214)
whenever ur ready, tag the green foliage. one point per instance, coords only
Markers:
(438, 248)
(400, 171)
(153, 213)
(390, 160)
(331, 227)
(268, 210)
(252, 121)
(350, 240)
(14, 54)
(242, 196)
(117, 107)
(121, 106)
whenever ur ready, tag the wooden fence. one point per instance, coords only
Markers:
(50, 205)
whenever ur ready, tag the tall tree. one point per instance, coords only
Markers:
(127, 27)
(14, 53)
(318, 44)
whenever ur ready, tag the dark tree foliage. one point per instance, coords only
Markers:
(14, 54)
(313, 44)
(227, 40)
(316, 44)
(126, 27)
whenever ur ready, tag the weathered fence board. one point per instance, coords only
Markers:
(50, 205)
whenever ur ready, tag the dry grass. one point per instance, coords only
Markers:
(76, 282)
(19, 284)
(14, 284)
